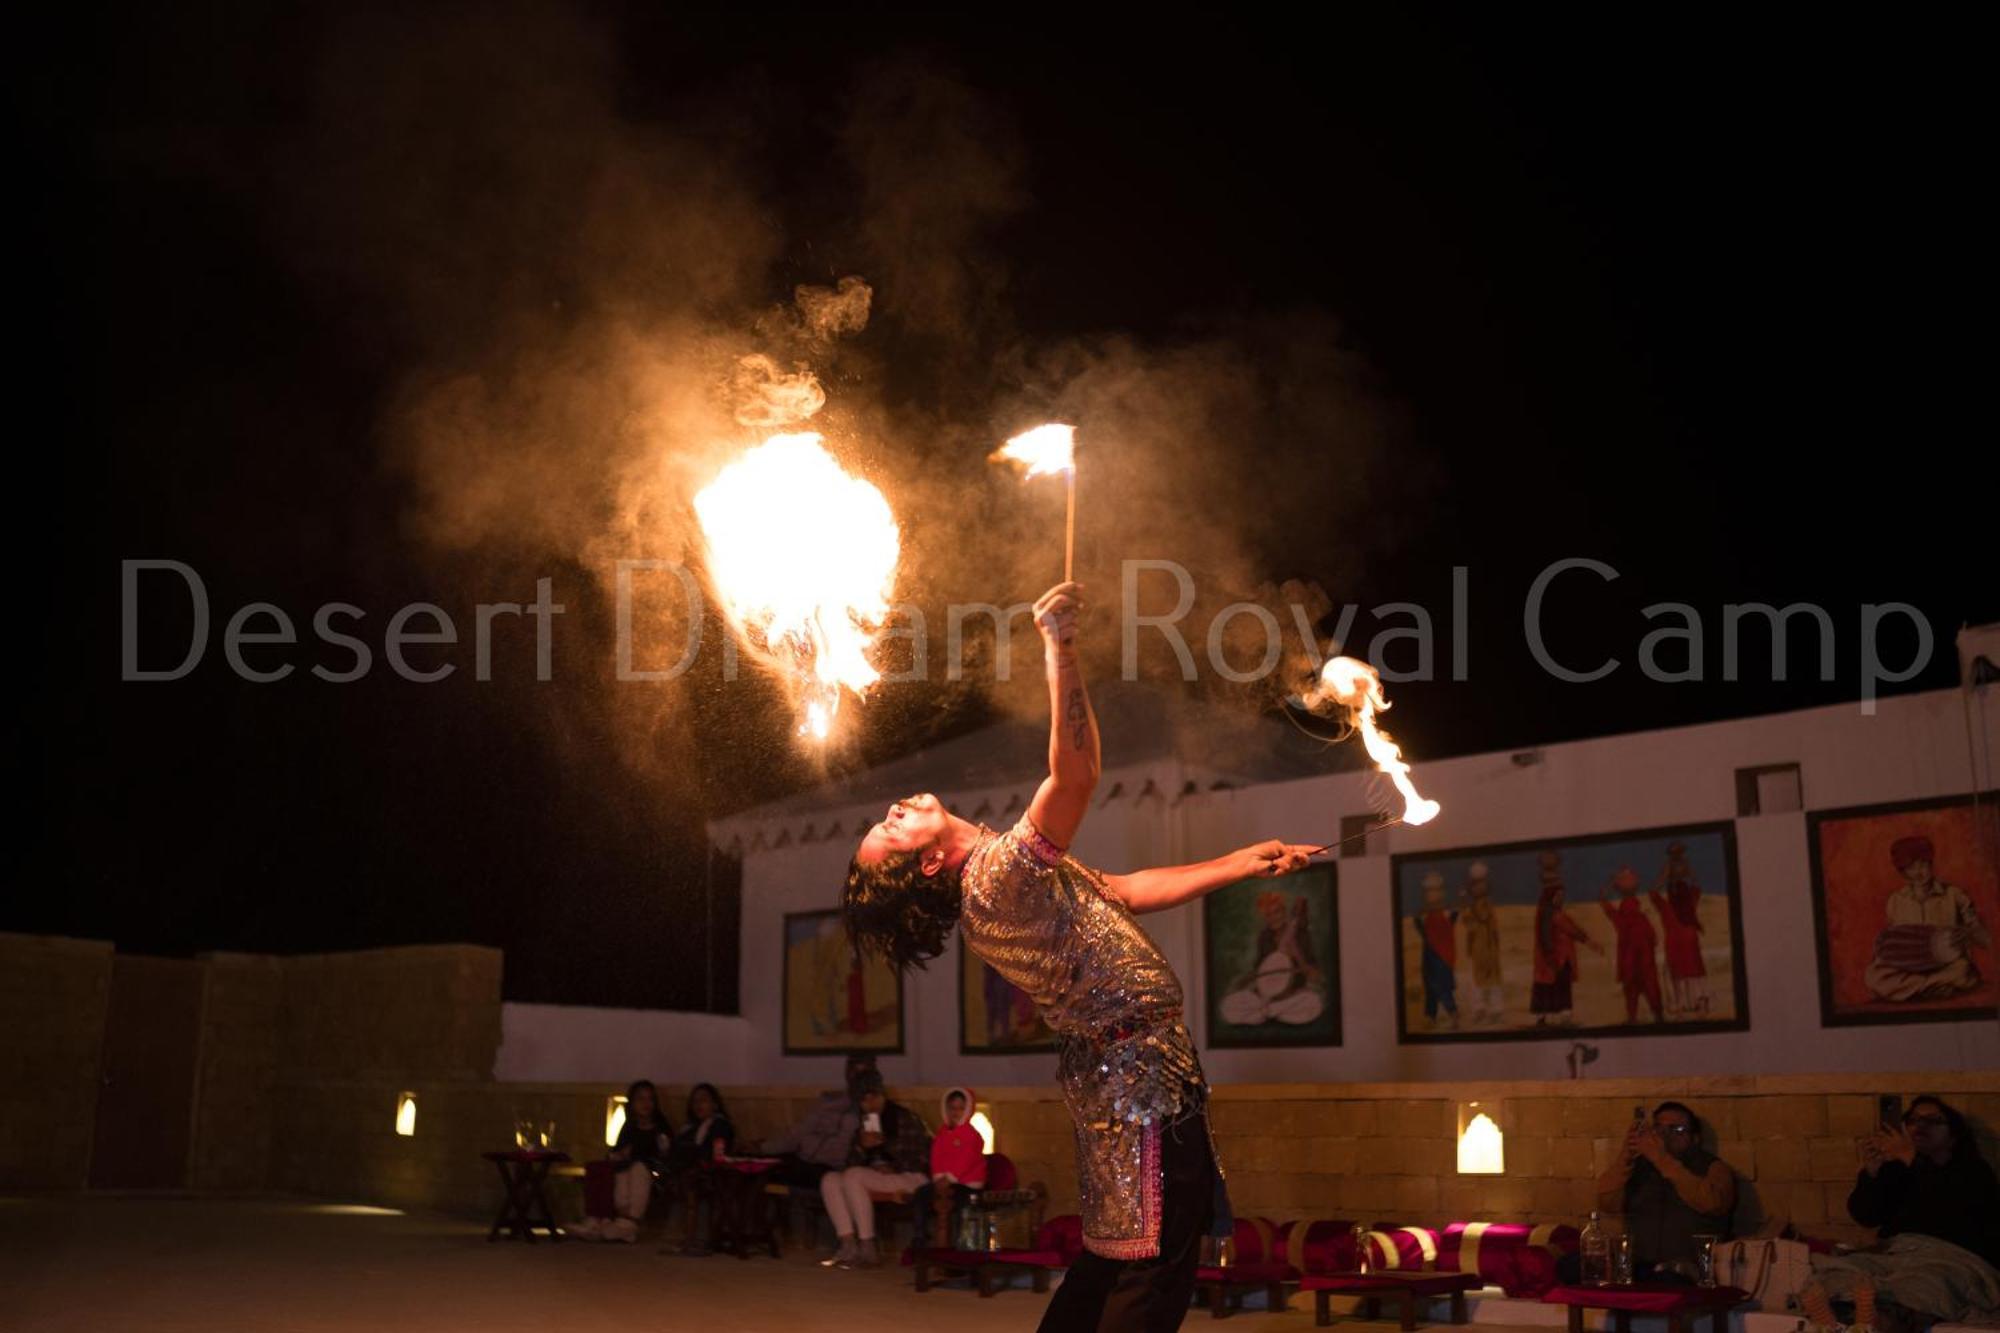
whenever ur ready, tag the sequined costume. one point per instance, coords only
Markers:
(1051, 926)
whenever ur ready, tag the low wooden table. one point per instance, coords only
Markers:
(524, 1204)
(1404, 1289)
(1679, 1303)
(1223, 1287)
(742, 1208)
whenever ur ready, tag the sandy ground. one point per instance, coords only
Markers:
(108, 1263)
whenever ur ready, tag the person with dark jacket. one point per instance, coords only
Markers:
(1926, 1177)
(890, 1154)
(702, 1138)
(1932, 1199)
(819, 1143)
(1668, 1189)
(640, 1155)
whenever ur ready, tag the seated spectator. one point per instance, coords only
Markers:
(958, 1167)
(1927, 1177)
(819, 1143)
(1668, 1189)
(1929, 1193)
(891, 1154)
(639, 1155)
(704, 1137)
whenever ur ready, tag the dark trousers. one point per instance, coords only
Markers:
(1148, 1295)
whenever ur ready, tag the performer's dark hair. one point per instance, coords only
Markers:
(714, 1095)
(1696, 1129)
(1965, 1144)
(897, 912)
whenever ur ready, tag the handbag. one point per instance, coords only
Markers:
(1773, 1271)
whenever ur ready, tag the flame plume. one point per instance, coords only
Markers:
(803, 557)
(1355, 686)
(1043, 450)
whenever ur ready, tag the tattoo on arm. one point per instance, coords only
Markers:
(1078, 714)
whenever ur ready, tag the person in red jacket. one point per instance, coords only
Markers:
(1556, 934)
(958, 1166)
(1638, 973)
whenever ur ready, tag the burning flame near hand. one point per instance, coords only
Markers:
(1355, 686)
(803, 557)
(1043, 450)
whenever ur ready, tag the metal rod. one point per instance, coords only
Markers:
(1069, 528)
(1342, 842)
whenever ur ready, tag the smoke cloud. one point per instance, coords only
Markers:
(578, 303)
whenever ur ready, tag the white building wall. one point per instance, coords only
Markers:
(1912, 747)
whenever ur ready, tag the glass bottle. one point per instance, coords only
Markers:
(1594, 1250)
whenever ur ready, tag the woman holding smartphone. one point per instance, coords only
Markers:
(891, 1154)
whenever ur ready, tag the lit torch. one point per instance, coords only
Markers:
(1041, 451)
(803, 557)
(1355, 686)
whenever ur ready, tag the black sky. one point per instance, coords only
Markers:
(1689, 295)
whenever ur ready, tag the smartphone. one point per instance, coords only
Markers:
(871, 1123)
(1889, 1110)
(1638, 1115)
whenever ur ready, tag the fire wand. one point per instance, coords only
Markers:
(1046, 449)
(1342, 842)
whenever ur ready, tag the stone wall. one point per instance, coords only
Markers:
(302, 1061)
(242, 1013)
(1382, 1152)
(431, 1010)
(53, 997)
(272, 1029)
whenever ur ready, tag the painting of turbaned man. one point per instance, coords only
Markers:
(1622, 932)
(1905, 897)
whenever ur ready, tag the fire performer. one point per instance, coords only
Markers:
(1065, 933)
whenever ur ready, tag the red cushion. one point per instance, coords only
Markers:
(1062, 1233)
(1647, 1297)
(1257, 1274)
(1532, 1271)
(1256, 1241)
(1403, 1248)
(1323, 1246)
(1517, 1258)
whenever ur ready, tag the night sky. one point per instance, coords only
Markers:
(1672, 293)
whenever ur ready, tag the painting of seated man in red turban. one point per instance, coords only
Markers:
(1906, 895)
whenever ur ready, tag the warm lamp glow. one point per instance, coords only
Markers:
(406, 1114)
(614, 1119)
(1481, 1145)
(984, 1124)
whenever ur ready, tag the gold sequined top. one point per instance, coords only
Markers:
(1051, 926)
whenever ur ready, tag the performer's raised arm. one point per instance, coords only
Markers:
(1059, 806)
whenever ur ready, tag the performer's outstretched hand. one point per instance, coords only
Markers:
(1267, 860)
(1055, 615)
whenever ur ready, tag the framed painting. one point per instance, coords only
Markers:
(1271, 961)
(996, 1017)
(1905, 898)
(836, 999)
(1623, 934)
